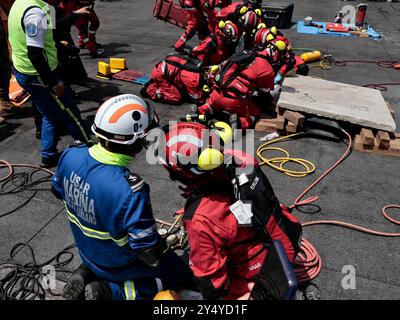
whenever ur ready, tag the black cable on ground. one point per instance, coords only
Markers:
(16, 182)
(28, 281)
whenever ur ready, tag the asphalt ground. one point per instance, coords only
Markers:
(354, 192)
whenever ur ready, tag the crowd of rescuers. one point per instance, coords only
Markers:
(236, 71)
(123, 256)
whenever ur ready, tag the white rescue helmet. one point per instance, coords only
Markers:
(123, 119)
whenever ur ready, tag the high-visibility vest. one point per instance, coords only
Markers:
(17, 37)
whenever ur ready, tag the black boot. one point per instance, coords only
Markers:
(98, 290)
(75, 286)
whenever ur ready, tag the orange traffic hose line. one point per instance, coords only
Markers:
(308, 263)
(11, 166)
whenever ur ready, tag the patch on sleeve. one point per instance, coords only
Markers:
(31, 30)
(136, 183)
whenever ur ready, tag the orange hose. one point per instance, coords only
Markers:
(308, 263)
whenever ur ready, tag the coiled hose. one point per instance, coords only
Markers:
(308, 263)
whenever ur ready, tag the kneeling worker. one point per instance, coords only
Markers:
(110, 211)
(227, 250)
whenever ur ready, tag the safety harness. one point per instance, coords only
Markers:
(233, 70)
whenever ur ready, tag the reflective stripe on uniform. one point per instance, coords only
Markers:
(71, 114)
(159, 285)
(101, 235)
(144, 233)
(129, 289)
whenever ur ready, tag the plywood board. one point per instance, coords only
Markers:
(336, 100)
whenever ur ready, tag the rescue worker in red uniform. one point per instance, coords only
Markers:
(226, 255)
(287, 58)
(178, 79)
(218, 48)
(245, 79)
(236, 10)
(87, 25)
(197, 14)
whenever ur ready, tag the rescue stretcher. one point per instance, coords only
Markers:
(170, 11)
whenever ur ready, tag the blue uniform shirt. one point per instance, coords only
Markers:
(110, 213)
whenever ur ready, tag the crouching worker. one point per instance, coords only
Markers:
(242, 87)
(110, 212)
(176, 80)
(227, 250)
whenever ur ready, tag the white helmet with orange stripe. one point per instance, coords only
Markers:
(123, 119)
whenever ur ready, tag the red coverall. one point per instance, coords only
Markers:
(224, 256)
(196, 12)
(213, 50)
(237, 98)
(288, 59)
(87, 25)
(168, 83)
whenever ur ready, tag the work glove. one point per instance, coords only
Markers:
(276, 92)
(278, 78)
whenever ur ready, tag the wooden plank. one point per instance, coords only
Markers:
(382, 140)
(266, 125)
(395, 146)
(367, 138)
(393, 151)
(291, 127)
(397, 135)
(280, 122)
(294, 117)
(358, 145)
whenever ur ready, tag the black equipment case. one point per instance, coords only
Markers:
(278, 15)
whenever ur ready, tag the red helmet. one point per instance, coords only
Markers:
(263, 37)
(249, 21)
(229, 32)
(273, 55)
(193, 152)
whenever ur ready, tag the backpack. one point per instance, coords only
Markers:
(255, 189)
(232, 71)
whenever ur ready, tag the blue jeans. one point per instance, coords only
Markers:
(54, 110)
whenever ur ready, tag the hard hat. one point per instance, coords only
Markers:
(263, 36)
(230, 33)
(273, 55)
(281, 45)
(194, 151)
(123, 119)
(249, 20)
(258, 12)
(274, 30)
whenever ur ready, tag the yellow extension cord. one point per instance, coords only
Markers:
(278, 163)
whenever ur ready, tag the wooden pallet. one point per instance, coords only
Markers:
(381, 142)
